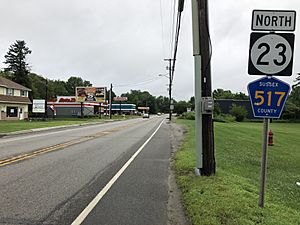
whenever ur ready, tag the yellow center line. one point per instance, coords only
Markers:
(21, 157)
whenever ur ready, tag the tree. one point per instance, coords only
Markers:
(16, 63)
(291, 110)
(222, 94)
(56, 88)
(7, 75)
(240, 96)
(217, 109)
(297, 81)
(38, 86)
(163, 104)
(74, 82)
(239, 112)
(295, 95)
(181, 107)
(292, 106)
(142, 99)
(227, 94)
(192, 103)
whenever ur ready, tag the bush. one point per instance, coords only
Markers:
(291, 111)
(225, 118)
(217, 109)
(239, 112)
(187, 116)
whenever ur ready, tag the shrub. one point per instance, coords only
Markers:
(239, 112)
(291, 111)
(187, 115)
(217, 109)
(225, 118)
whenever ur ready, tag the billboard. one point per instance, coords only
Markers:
(38, 106)
(90, 94)
(120, 99)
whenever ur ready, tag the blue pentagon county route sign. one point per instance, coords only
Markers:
(268, 96)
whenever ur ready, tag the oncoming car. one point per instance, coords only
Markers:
(146, 115)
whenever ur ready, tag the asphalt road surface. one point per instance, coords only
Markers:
(113, 173)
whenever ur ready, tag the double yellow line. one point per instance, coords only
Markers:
(28, 155)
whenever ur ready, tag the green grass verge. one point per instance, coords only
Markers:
(231, 196)
(19, 125)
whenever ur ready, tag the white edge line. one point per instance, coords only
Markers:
(101, 194)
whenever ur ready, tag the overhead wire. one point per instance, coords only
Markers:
(172, 24)
(162, 27)
(178, 26)
(138, 83)
(210, 47)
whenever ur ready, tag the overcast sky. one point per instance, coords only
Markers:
(124, 42)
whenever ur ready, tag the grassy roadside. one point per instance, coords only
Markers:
(11, 126)
(231, 196)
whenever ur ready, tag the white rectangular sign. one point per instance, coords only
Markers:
(38, 106)
(273, 20)
(120, 98)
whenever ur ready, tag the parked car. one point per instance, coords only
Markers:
(146, 115)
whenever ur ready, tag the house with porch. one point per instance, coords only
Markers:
(14, 100)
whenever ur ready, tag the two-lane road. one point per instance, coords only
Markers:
(114, 173)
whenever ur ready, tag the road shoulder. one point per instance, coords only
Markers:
(176, 211)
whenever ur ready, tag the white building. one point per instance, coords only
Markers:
(14, 100)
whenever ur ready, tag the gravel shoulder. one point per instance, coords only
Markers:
(176, 211)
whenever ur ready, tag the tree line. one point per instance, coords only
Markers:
(18, 70)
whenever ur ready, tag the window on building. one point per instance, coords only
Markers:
(10, 91)
(23, 93)
(12, 111)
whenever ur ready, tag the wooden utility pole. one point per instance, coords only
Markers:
(209, 165)
(46, 99)
(110, 100)
(170, 87)
(81, 110)
(100, 104)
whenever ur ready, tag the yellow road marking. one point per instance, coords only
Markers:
(15, 159)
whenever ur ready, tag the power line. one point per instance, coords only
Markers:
(210, 46)
(178, 26)
(172, 26)
(172, 61)
(138, 83)
(162, 28)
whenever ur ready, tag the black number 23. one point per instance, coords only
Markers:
(267, 50)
